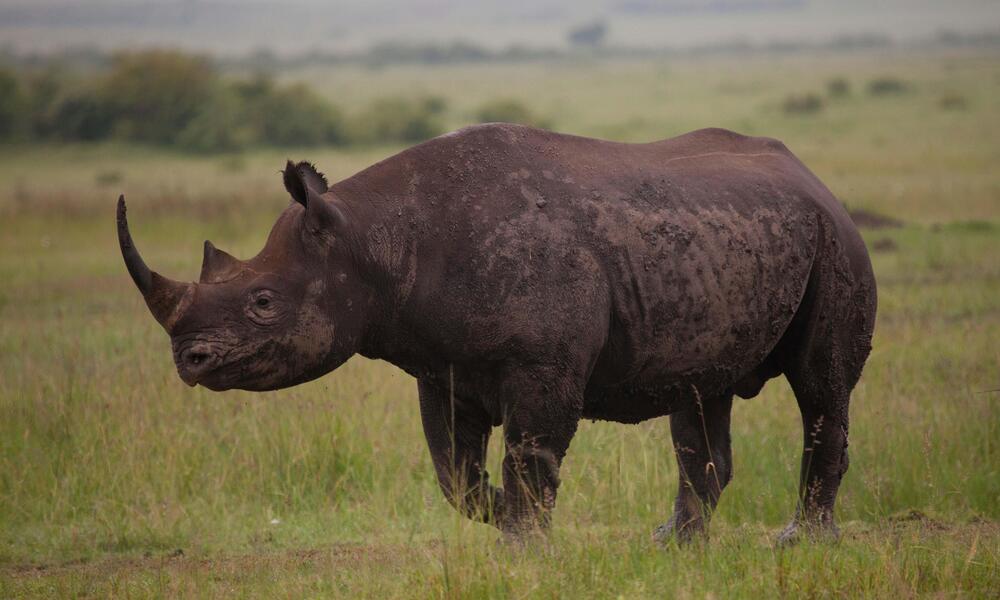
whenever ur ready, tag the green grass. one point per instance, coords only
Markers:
(118, 480)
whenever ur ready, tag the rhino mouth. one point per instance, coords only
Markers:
(217, 370)
(214, 378)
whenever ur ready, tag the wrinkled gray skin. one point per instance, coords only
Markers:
(531, 279)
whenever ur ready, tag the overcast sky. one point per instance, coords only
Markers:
(235, 26)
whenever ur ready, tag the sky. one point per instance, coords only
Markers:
(239, 26)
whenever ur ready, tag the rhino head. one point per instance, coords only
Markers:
(290, 314)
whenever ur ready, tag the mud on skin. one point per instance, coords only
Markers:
(531, 279)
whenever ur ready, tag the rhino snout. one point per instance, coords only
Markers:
(195, 361)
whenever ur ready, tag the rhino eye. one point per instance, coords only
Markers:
(263, 308)
(262, 298)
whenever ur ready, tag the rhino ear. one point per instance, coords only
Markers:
(323, 219)
(303, 179)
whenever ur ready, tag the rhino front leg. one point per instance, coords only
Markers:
(457, 435)
(542, 410)
(705, 465)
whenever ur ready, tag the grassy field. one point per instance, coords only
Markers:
(116, 479)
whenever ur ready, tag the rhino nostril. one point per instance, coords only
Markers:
(196, 358)
(195, 362)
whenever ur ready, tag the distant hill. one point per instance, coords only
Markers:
(236, 27)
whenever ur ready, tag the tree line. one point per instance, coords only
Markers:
(181, 100)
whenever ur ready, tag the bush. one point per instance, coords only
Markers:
(64, 107)
(256, 111)
(219, 126)
(838, 88)
(509, 111)
(886, 86)
(399, 120)
(953, 101)
(802, 104)
(170, 98)
(82, 114)
(157, 93)
(43, 90)
(108, 177)
(434, 105)
(12, 105)
(297, 116)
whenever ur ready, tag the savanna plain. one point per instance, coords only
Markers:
(117, 480)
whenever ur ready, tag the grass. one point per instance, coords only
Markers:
(118, 480)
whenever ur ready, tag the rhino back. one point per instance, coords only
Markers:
(658, 264)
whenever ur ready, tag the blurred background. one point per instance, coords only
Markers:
(216, 75)
(233, 27)
(116, 479)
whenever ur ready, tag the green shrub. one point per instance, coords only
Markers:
(838, 88)
(435, 105)
(108, 177)
(64, 106)
(399, 120)
(12, 105)
(802, 104)
(157, 93)
(509, 111)
(289, 116)
(953, 101)
(256, 111)
(884, 86)
(82, 114)
(297, 116)
(219, 126)
(43, 89)
(170, 98)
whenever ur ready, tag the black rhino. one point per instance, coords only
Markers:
(531, 279)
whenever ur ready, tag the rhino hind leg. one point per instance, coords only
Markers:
(825, 428)
(703, 449)
(823, 359)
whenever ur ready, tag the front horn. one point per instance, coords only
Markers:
(167, 299)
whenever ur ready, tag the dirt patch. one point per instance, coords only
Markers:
(918, 517)
(872, 220)
(338, 556)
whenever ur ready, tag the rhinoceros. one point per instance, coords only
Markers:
(532, 279)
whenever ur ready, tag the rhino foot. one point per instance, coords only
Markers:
(524, 540)
(798, 530)
(691, 530)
